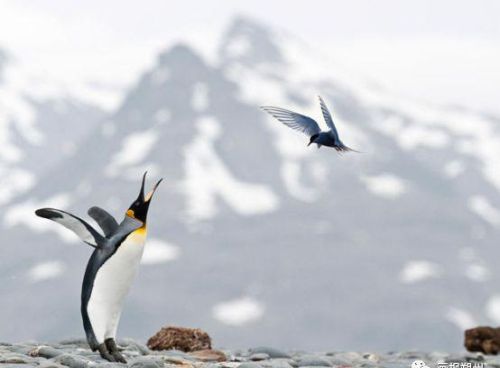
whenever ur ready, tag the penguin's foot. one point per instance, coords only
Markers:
(119, 357)
(103, 351)
(114, 350)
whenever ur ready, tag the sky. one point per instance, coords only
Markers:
(445, 52)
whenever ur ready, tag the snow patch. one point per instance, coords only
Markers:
(460, 318)
(207, 178)
(454, 168)
(477, 272)
(484, 209)
(238, 47)
(238, 312)
(199, 100)
(14, 181)
(410, 136)
(135, 148)
(23, 214)
(15, 109)
(419, 270)
(46, 270)
(291, 172)
(158, 251)
(385, 185)
(493, 308)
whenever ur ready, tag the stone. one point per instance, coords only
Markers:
(48, 352)
(483, 339)
(13, 358)
(146, 362)
(272, 352)
(130, 344)
(180, 338)
(372, 357)
(72, 361)
(313, 361)
(50, 364)
(249, 365)
(278, 363)
(259, 356)
(209, 355)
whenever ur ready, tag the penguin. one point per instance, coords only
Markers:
(111, 268)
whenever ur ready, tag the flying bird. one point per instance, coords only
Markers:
(111, 268)
(310, 127)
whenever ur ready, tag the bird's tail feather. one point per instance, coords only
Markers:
(343, 148)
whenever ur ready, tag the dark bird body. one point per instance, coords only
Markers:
(111, 267)
(310, 127)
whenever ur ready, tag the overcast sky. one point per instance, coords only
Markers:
(443, 51)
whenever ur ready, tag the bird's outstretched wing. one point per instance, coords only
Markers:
(294, 120)
(106, 222)
(328, 117)
(81, 228)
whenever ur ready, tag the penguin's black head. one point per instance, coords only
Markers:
(139, 208)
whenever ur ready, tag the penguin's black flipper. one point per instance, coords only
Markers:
(105, 221)
(81, 228)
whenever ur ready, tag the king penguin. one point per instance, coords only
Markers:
(111, 268)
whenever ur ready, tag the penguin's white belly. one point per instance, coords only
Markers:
(111, 285)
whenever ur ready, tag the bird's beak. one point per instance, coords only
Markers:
(309, 144)
(141, 193)
(144, 198)
(150, 194)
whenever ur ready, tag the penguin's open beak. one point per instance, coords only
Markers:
(139, 208)
(148, 196)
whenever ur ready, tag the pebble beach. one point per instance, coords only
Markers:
(76, 354)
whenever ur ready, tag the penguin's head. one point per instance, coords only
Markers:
(139, 208)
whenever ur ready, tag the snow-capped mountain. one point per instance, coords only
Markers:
(255, 237)
(37, 131)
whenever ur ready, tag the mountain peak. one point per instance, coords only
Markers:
(249, 42)
(179, 53)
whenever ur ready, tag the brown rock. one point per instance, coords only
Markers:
(209, 355)
(180, 338)
(484, 339)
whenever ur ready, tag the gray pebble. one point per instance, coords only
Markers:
(72, 361)
(50, 364)
(47, 352)
(313, 361)
(277, 363)
(249, 365)
(172, 353)
(130, 344)
(145, 362)
(107, 365)
(372, 357)
(78, 341)
(346, 356)
(259, 356)
(13, 358)
(272, 352)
